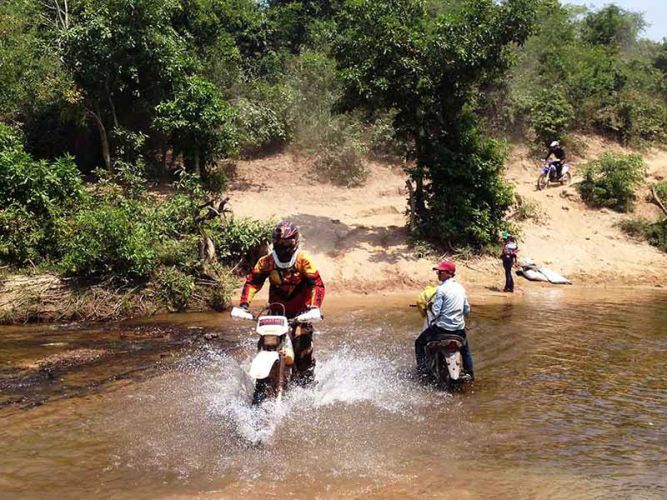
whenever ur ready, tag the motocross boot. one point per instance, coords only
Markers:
(303, 352)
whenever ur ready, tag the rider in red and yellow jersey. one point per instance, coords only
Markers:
(295, 283)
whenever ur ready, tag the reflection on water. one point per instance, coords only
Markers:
(571, 400)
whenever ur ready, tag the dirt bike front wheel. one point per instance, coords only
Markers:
(566, 179)
(261, 392)
(542, 182)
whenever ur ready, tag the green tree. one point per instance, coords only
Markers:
(124, 55)
(551, 115)
(36, 196)
(393, 55)
(198, 122)
(612, 27)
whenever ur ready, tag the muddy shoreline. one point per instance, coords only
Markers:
(52, 362)
(50, 301)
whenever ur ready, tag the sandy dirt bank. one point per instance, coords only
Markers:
(358, 239)
(357, 235)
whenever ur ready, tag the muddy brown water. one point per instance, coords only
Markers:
(571, 401)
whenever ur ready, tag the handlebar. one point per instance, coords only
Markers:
(311, 315)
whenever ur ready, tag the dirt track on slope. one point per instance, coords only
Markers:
(358, 240)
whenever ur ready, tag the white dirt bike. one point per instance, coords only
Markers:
(272, 366)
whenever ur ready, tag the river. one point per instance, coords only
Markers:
(570, 401)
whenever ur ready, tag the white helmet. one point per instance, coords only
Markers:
(554, 144)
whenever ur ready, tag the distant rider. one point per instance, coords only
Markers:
(558, 152)
(509, 256)
(449, 307)
(296, 284)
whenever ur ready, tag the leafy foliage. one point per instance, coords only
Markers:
(551, 115)
(239, 240)
(198, 123)
(175, 288)
(653, 232)
(394, 55)
(661, 190)
(108, 241)
(39, 186)
(596, 71)
(612, 26)
(22, 238)
(611, 181)
(35, 198)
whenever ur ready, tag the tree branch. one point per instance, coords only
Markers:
(657, 201)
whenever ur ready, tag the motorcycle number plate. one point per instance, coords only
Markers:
(272, 325)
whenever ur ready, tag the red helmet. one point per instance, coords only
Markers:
(446, 265)
(285, 239)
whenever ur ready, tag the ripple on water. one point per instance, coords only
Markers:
(571, 400)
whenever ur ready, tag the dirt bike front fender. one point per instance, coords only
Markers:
(262, 364)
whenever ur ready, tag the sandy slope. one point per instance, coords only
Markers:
(357, 238)
(584, 243)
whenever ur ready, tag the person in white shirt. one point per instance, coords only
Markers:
(449, 309)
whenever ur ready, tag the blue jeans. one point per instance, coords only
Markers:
(434, 333)
(508, 261)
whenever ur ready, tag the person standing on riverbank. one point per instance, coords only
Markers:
(450, 306)
(509, 258)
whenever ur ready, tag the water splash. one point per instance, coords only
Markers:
(344, 376)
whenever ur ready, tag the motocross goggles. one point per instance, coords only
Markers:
(285, 248)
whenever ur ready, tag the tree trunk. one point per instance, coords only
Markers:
(196, 162)
(657, 200)
(419, 197)
(413, 206)
(104, 140)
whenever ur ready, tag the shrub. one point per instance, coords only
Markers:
(551, 115)
(656, 234)
(35, 198)
(260, 127)
(312, 75)
(198, 122)
(175, 288)
(36, 185)
(21, 236)
(422, 249)
(215, 176)
(611, 180)
(182, 253)
(340, 154)
(108, 241)
(240, 240)
(525, 209)
(634, 227)
(635, 117)
(220, 292)
(660, 189)
(653, 232)
(383, 142)
(171, 218)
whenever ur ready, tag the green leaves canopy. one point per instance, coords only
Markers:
(392, 54)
